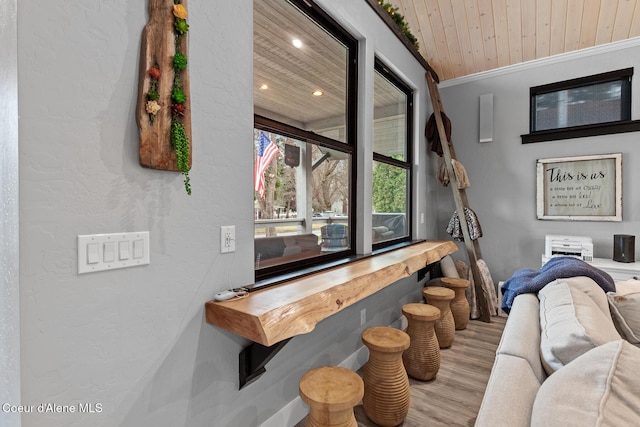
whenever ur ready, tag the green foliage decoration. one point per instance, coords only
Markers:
(179, 138)
(181, 144)
(181, 26)
(180, 61)
(399, 20)
(153, 94)
(178, 95)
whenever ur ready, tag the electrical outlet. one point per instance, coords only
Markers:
(363, 316)
(227, 238)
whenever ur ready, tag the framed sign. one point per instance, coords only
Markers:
(585, 188)
(291, 155)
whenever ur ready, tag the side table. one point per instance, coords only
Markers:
(331, 393)
(386, 384)
(445, 327)
(422, 358)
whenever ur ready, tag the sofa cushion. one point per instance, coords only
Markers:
(598, 388)
(571, 324)
(510, 393)
(305, 242)
(521, 335)
(591, 288)
(268, 247)
(625, 310)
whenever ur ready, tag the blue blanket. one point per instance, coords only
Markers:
(530, 281)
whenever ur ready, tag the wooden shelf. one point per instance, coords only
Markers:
(295, 307)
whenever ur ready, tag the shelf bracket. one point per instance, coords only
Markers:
(253, 358)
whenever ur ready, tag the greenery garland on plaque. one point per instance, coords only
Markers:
(399, 20)
(179, 138)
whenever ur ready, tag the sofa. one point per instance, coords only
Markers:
(568, 356)
(277, 250)
(387, 226)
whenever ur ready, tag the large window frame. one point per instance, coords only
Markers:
(624, 124)
(407, 163)
(275, 274)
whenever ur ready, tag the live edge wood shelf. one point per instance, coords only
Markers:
(293, 308)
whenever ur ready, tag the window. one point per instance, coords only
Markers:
(304, 138)
(592, 105)
(392, 124)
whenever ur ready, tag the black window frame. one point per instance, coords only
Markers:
(624, 125)
(407, 164)
(276, 274)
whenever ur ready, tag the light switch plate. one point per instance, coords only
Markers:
(115, 250)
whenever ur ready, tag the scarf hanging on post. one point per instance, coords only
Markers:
(454, 229)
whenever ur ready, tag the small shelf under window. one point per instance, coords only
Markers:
(582, 131)
(295, 307)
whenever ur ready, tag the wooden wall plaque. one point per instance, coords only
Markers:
(158, 49)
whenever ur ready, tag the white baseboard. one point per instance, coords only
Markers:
(294, 411)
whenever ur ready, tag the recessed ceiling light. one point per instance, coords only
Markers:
(264, 87)
(297, 43)
(317, 92)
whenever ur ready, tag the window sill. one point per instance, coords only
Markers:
(295, 307)
(582, 131)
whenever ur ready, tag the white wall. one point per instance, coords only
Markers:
(135, 340)
(9, 215)
(503, 172)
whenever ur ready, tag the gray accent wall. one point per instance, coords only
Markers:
(503, 172)
(135, 340)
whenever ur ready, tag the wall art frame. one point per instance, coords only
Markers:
(580, 188)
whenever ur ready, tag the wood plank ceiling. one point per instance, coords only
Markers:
(462, 37)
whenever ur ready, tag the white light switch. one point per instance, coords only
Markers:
(109, 252)
(138, 249)
(92, 253)
(97, 252)
(123, 250)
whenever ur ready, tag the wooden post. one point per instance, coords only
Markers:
(460, 199)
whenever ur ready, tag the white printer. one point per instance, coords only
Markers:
(576, 246)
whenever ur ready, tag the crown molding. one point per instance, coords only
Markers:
(555, 59)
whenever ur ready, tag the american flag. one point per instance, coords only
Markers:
(267, 150)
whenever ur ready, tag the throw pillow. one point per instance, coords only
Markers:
(599, 388)
(630, 286)
(448, 267)
(571, 324)
(625, 310)
(488, 287)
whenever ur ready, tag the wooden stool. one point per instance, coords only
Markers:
(445, 327)
(386, 385)
(331, 393)
(422, 358)
(459, 305)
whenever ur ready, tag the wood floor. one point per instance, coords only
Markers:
(453, 398)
